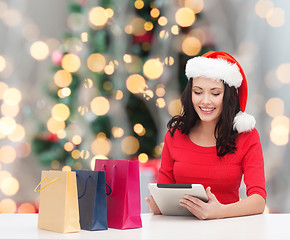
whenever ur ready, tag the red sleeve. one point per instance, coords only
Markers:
(165, 174)
(253, 165)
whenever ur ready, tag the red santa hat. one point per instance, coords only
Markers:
(222, 66)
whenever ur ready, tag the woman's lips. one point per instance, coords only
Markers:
(206, 110)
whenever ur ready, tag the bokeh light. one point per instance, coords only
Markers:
(71, 62)
(96, 62)
(262, 7)
(55, 126)
(100, 106)
(130, 145)
(7, 154)
(136, 83)
(191, 46)
(7, 206)
(39, 50)
(153, 69)
(275, 107)
(275, 17)
(101, 145)
(12, 96)
(184, 17)
(98, 16)
(10, 186)
(2, 63)
(62, 78)
(283, 73)
(60, 112)
(174, 107)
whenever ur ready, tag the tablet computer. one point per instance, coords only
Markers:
(167, 196)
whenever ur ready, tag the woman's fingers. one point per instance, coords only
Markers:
(153, 206)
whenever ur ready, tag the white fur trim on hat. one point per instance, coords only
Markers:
(214, 68)
(244, 122)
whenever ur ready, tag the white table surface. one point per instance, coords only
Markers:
(266, 226)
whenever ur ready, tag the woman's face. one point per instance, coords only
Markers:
(207, 98)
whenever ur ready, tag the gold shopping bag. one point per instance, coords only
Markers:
(58, 203)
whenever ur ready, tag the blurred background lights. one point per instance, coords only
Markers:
(138, 26)
(7, 154)
(117, 132)
(9, 110)
(275, 107)
(60, 112)
(275, 17)
(98, 16)
(139, 129)
(71, 62)
(76, 139)
(7, 125)
(55, 126)
(196, 5)
(100, 106)
(279, 135)
(262, 7)
(130, 145)
(12, 17)
(26, 208)
(66, 168)
(153, 69)
(68, 146)
(191, 46)
(10, 186)
(18, 134)
(136, 83)
(143, 157)
(62, 78)
(283, 73)
(184, 17)
(162, 21)
(281, 121)
(174, 107)
(3, 88)
(7, 205)
(101, 145)
(39, 50)
(155, 12)
(12, 96)
(139, 4)
(96, 62)
(2, 63)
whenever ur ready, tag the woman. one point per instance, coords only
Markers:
(214, 142)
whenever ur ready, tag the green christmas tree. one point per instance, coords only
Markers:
(116, 80)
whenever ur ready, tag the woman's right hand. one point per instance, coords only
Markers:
(153, 206)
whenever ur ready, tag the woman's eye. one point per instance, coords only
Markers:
(216, 94)
(197, 93)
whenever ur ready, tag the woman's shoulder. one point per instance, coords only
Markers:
(249, 136)
(173, 134)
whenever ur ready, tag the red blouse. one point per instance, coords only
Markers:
(182, 161)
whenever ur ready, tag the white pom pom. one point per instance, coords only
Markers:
(244, 122)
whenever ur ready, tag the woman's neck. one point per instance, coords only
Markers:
(203, 134)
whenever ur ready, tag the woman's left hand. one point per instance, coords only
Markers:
(211, 210)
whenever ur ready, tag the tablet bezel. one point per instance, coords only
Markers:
(167, 197)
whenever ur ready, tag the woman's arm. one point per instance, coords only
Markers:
(213, 209)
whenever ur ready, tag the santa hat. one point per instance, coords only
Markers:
(222, 66)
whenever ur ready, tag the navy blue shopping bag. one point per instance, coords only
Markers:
(92, 197)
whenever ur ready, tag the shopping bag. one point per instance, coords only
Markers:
(92, 199)
(58, 203)
(123, 204)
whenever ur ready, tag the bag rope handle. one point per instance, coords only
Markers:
(86, 184)
(112, 179)
(35, 189)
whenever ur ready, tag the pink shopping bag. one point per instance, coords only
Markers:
(123, 204)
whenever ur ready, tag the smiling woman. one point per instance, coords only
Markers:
(213, 141)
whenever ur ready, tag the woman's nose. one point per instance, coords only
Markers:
(206, 98)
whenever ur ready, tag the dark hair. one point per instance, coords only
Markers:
(224, 133)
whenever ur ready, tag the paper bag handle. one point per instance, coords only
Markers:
(113, 178)
(86, 184)
(35, 189)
